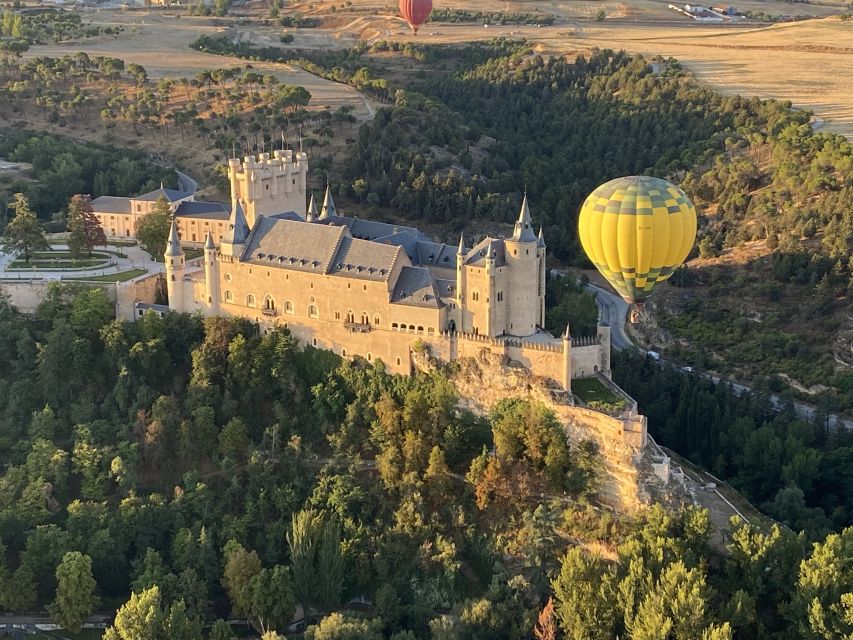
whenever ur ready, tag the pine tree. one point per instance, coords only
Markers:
(24, 234)
(84, 227)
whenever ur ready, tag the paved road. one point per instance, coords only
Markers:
(613, 310)
(185, 183)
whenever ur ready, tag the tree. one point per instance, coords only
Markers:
(240, 567)
(546, 625)
(270, 599)
(824, 594)
(85, 230)
(140, 618)
(585, 597)
(153, 228)
(24, 234)
(316, 559)
(339, 627)
(20, 593)
(75, 591)
(234, 440)
(221, 630)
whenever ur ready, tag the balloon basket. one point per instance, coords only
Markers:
(636, 313)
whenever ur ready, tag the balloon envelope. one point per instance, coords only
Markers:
(637, 231)
(415, 12)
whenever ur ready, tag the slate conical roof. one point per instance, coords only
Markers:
(238, 228)
(328, 210)
(208, 243)
(173, 246)
(523, 231)
(311, 216)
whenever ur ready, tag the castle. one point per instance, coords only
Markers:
(264, 186)
(367, 288)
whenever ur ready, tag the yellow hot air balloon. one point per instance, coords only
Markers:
(637, 231)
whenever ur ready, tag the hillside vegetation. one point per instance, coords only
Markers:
(213, 471)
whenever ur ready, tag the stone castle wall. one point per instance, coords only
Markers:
(486, 378)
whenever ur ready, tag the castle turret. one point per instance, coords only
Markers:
(543, 275)
(311, 215)
(328, 210)
(175, 265)
(460, 283)
(523, 304)
(567, 359)
(238, 230)
(211, 276)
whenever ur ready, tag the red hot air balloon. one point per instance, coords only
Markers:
(416, 12)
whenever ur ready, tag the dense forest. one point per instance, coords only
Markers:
(216, 472)
(799, 473)
(62, 167)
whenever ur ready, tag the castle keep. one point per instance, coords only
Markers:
(359, 287)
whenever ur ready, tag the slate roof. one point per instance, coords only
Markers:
(111, 204)
(364, 260)
(489, 247)
(416, 288)
(214, 210)
(291, 244)
(170, 194)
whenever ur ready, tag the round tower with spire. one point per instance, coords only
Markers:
(524, 308)
(175, 266)
(211, 276)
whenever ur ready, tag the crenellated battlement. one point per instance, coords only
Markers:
(269, 185)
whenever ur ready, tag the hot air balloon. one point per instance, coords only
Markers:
(415, 12)
(637, 231)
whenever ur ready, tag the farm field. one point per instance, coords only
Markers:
(808, 62)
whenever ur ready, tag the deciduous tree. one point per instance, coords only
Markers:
(153, 228)
(75, 591)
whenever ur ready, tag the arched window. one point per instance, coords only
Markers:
(288, 307)
(227, 277)
(250, 300)
(229, 297)
(412, 328)
(475, 296)
(376, 320)
(269, 302)
(394, 326)
(312, 311)
(350, 316)
(364, 318)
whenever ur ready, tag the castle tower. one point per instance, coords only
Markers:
(269, 185)
(328, 210)
(211, 276)
(232, 242)
(311, 215)
(567, 359)
(524, 307)
(543, 275)
(460, 284)
(175, 265)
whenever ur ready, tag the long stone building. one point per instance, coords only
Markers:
(373, 289)
(263, 185)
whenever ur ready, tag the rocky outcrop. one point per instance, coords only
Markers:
(629, 481)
